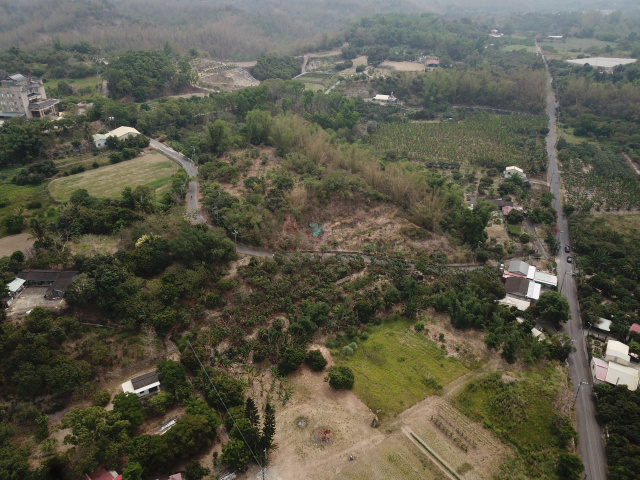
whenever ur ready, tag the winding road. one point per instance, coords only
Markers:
(192, 172)
(590, 440)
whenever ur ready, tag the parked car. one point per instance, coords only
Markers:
(567, 249)
(569, 259)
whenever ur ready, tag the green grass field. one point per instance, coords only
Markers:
(152, 169)
(77, 84)
(396, 367)
(515, 48)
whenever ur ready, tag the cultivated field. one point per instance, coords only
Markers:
(152, 169)
(481, 139)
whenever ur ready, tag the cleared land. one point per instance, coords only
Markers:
(397, 367)
(404, 66)
(605, 62)
(10, 244)
(152, 169)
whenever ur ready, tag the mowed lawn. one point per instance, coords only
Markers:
(396, 367)
(152, 169)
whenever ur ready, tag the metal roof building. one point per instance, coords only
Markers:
(617, 352)
(142, 385)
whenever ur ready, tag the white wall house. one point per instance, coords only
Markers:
(385, 98)
(513, 170)
(143, 385)
(121, 133)
(614, 374)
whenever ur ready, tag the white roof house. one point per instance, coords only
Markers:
(617, 352)
(545, 279)
(142, 385)
(621, 375)
(385, 98)
(610, 372)
(513, 170)
(100, 139)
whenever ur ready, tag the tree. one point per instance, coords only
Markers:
(13, 223)
(316, 360)
(150, 451)
(189, 435)
(172, 376)
(130, 408)
(258, 126)
(195, 471)
(133, 471)
(553, 307)
(268, 428)
(195, 406)
(218, 136)
(569, 467)
(235, 455)
(201, 243)
(251, 412)
(515, 216)
(340, 377)
(291, 360)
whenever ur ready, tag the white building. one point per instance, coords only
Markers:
(143, 385)
(513, 170)
(617, 352)
(614, 374)
(545, 279)
(121, 133)
(385, 98)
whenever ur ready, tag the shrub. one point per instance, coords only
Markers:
(291, 360)
(101, 398)
(260, 353)
(419, 327)
(348, 351)
(340, 377)
(316, 360)
(33, 204)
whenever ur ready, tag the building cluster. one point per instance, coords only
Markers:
(56, 280)
(22, 96)
(614, 369)
(524, 284)
(121, 133)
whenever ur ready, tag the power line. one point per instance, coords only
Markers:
(226, 408)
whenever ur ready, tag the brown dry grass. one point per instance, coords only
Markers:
(404, 66)
(12, 243)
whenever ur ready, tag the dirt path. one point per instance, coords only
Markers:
(631, 163)
(434, 457)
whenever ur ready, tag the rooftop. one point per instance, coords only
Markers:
(144, 380)
(44, 104)
(120, 131)
(601, 368)
(516, 285)
(634, 328)
(603, 324)
(519, 303)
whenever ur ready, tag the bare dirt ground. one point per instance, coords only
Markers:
(404, 66)
(230, 79)
(389, 451)
(631, 163)
(12, 243)
(30, 298)
(498, 231)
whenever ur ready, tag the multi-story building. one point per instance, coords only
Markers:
(24, 96)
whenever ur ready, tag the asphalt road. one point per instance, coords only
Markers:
(192, 171)
(590, 441)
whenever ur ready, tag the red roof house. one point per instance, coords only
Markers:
(102, 474)
(635, 328)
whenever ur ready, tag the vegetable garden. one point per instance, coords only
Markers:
(480, 139)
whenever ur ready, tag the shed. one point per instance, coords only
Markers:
(16, 286)
(143, 385)
(385, 98)
(603, 324)
(519, 303)
(100, 140)
(617, 352)
(635, 328)
(432, 63)
(57, 280)
(102, 474)
(545, 279)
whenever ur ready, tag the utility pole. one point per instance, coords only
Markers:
(582, 382)
(265, 464)
(193, 154)
(235, 234)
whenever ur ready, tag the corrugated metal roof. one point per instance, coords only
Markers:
(144, 380)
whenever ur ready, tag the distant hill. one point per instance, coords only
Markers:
(239, 29)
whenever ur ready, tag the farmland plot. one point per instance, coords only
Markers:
(480, 139)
